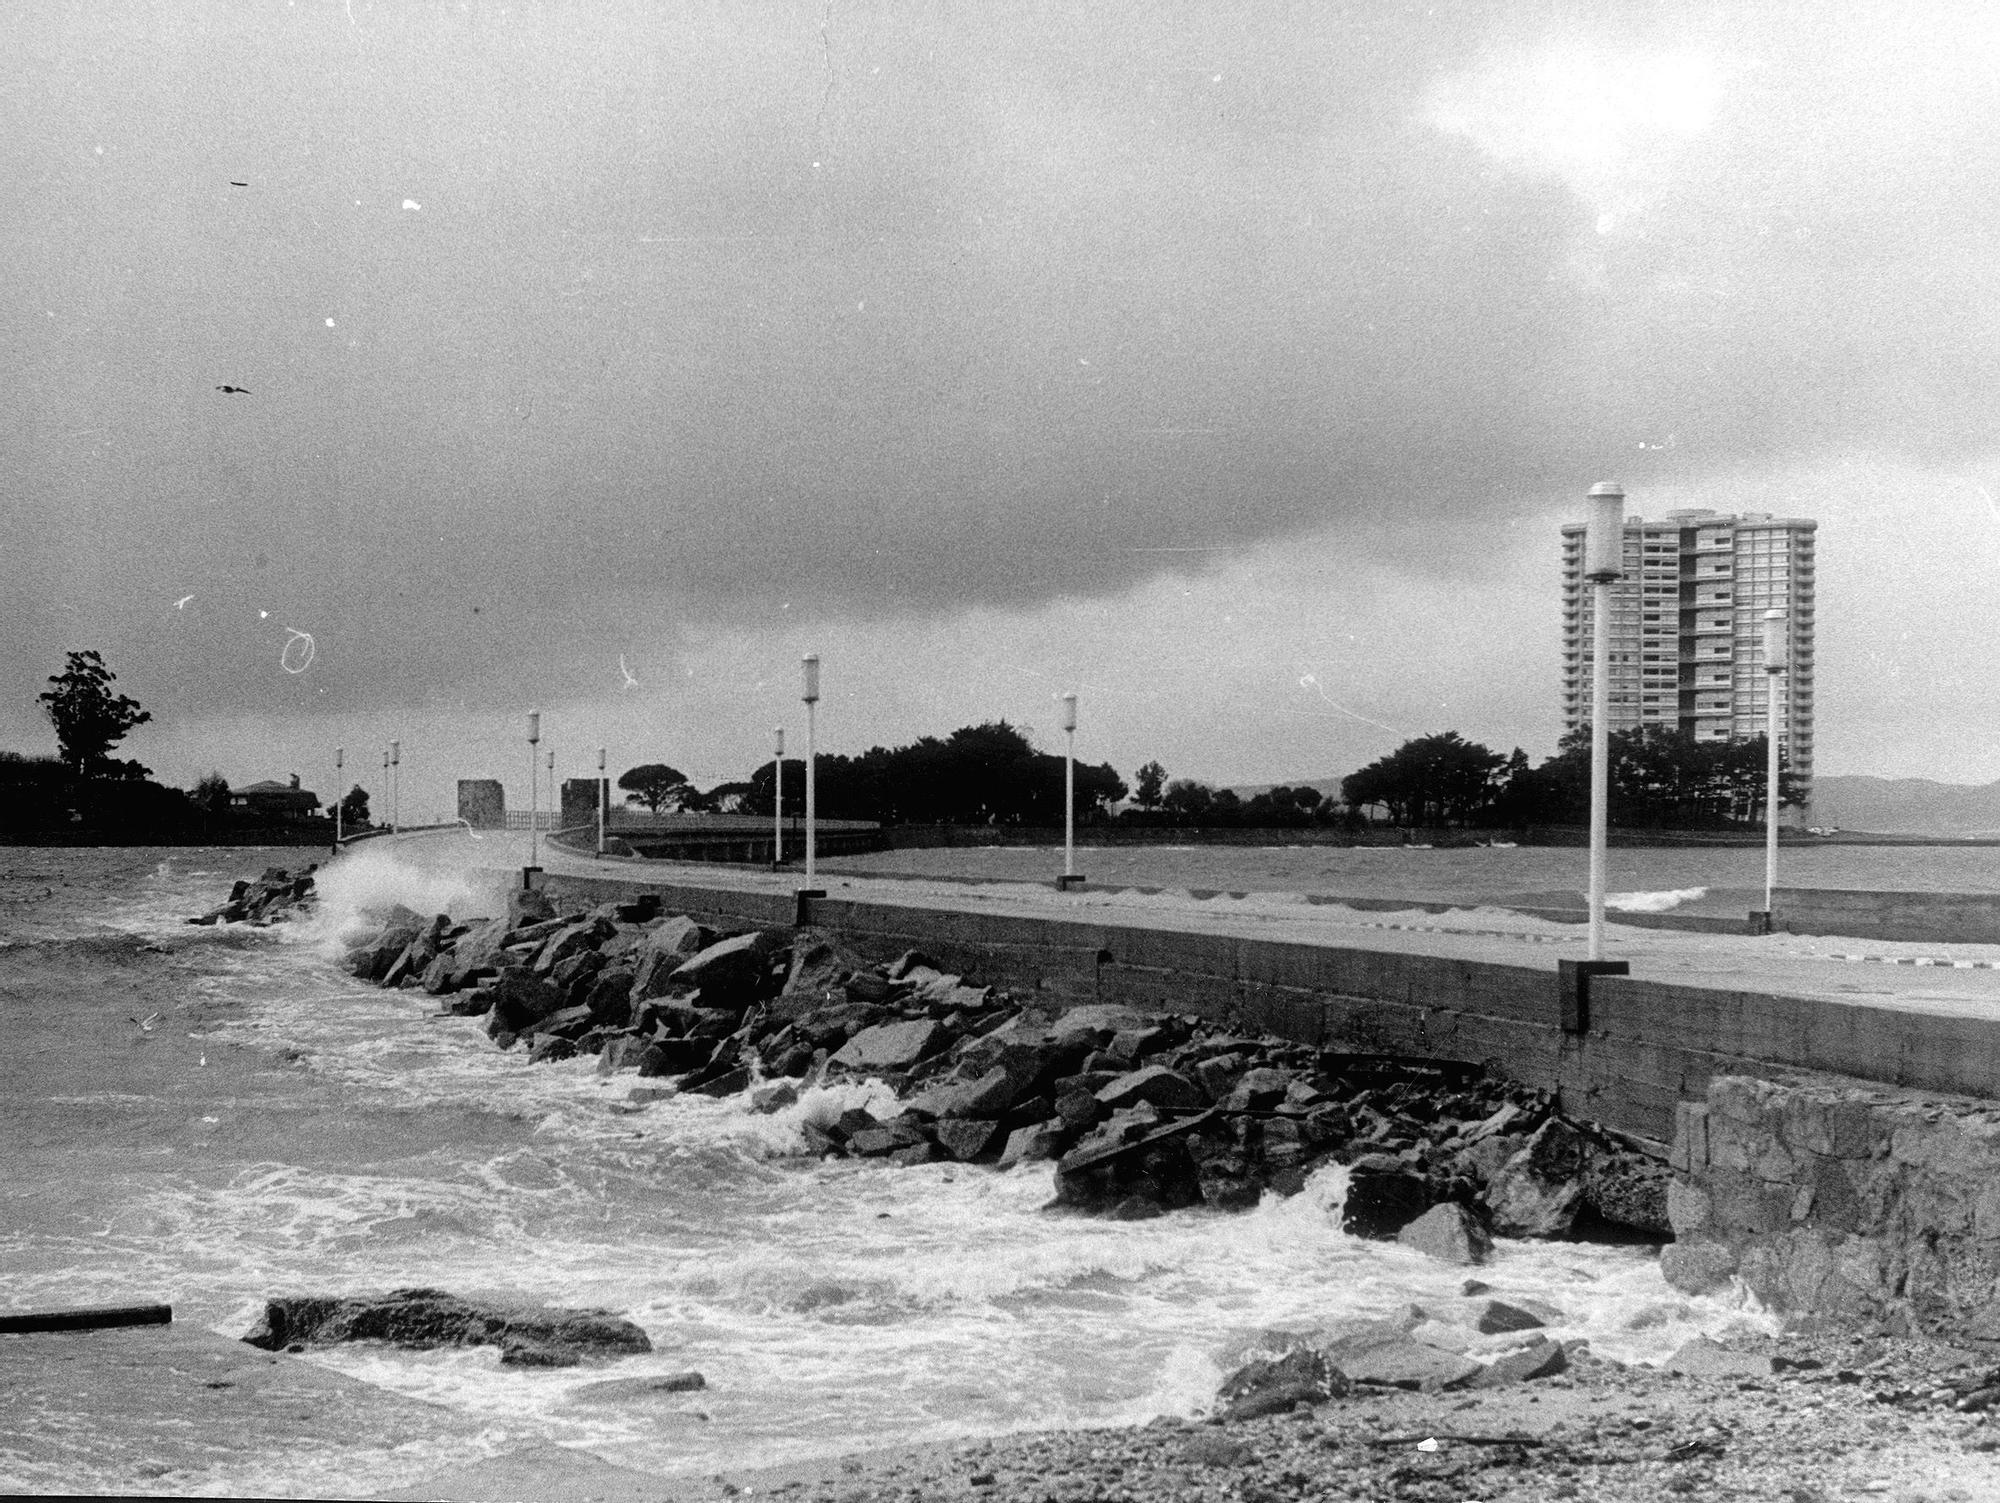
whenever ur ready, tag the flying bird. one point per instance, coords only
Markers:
(233, 390)
(234, 184)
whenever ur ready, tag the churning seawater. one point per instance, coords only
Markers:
(212, 1116)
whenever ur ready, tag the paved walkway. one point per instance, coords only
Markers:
(1946, 979)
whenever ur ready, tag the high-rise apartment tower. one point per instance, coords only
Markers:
(1687, 624)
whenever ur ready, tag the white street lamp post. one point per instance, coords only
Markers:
(1069, 789)
(1777, 658)
(811, 697)
(534, 784)
(1603, 563)
(395, 786)
(777, 797)
(603, 798)
(555, 803)
(339, 761)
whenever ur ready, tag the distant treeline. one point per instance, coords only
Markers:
(989, 775)
(1660, 778)
(978, 775)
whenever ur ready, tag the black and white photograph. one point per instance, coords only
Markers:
(1117, 752)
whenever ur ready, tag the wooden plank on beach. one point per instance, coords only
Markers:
(85, 1318)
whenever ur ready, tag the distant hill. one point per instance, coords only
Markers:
(1906, 806)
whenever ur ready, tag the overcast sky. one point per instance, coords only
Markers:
(1234, 365)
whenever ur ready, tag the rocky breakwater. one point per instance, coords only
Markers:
(275, 896)
(1142, 1114)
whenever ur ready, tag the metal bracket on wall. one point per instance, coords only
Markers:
(802, 905)
(531, 878)
(1573, 989)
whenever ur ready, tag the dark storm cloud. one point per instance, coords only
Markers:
(599, 318)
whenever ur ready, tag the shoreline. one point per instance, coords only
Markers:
(1790, 1417)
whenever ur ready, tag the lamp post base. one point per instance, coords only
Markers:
(531, 878)
(1069, 883)
(1760, 921)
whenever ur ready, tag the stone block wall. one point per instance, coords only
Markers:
(482, 803)
(579, 801)
(1840, 1203)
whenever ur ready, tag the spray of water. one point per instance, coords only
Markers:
(370, 878)
(1653, 902)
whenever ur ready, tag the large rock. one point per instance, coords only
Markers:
(1277, 1386)
(1155, 1085)
(1699, 1357)
(609, 997)
(1541, 1358)
(371, 959)
(1627, 1189)
(966, 1138)
(520, 1001)
(994, 1076)
(1030, 1145)
(1404, 1363)
(569, 1022)
(528, 906)
(1538, 1192)
(476, 952)
(1449, 1233)
(1492, 1317)
(817, 978)
(1258, 1090)
(988, 1096)
(418, 954)
(1093, 1022)
(533, 1336)
(1383, 1197)
(662, 952)
(585, 934)
(891, 1046)
(944, 991)
(729, 975)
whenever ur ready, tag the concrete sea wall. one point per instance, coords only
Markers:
(1645, 1047)
(1971, 918)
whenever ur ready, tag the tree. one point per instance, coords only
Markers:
(655, 785)
(732, 798)
(211, 795)
(1097, 789)
(354, 808)
(1431, 780)
(1188, 800)
(89, 719)
(1152, 780)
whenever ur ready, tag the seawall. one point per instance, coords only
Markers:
(1644, 1047)
(1943, 917)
